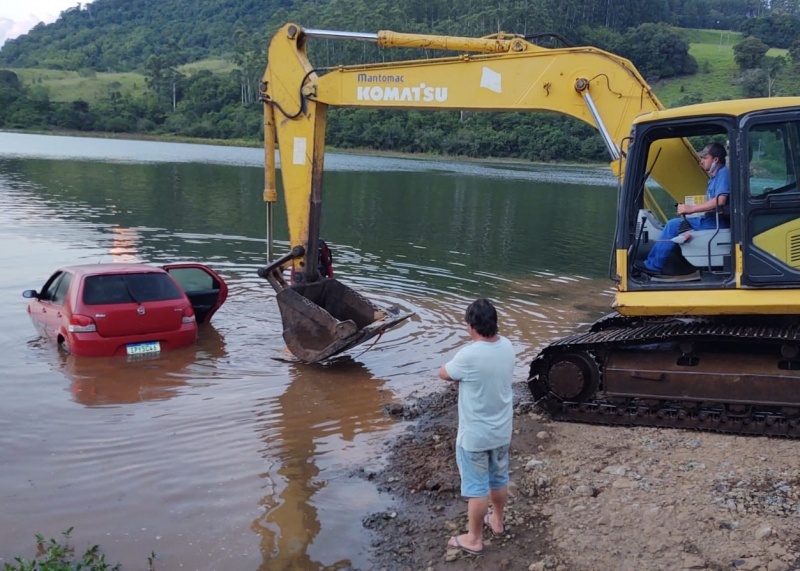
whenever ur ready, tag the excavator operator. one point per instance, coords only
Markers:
(712, 159)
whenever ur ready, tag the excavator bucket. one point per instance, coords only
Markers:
(324, 318)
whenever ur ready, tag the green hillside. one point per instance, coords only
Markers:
(716, 70)
(714, 80)
(65, 86)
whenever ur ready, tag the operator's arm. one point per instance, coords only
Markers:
(719, 187)
(709, 204)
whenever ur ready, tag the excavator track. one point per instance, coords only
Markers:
(737, 375)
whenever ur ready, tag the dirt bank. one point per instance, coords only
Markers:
(595, 498)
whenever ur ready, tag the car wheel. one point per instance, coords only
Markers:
(62, 345)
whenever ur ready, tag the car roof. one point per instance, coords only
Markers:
(111, 268)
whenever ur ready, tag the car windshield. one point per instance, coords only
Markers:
(129, 288)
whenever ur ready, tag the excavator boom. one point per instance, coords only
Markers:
(498, 73)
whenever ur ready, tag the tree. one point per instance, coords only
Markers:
(250, 62)
(754, 82)
(773, 66)
(657, 50)
(777, 29)
(163, 79)
(749, 53)
(794, 52)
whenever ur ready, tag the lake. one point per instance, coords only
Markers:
(230, 455)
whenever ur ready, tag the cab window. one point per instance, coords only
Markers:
(773, 207)
(774, 150)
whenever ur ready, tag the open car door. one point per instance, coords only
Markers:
(203, 286)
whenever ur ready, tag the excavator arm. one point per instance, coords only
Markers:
(497, 73)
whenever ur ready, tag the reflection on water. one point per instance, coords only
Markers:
(109, 381)
(322, 414)
(124, 245)
(229, 455)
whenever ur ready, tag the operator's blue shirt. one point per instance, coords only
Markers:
(719, 183)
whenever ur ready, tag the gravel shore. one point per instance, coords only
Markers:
(588, 498)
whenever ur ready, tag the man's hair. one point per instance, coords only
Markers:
(482, 317)
(716, 150)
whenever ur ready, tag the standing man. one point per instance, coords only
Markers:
(483, 372)
(712, 159)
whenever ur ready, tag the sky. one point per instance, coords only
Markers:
(19, 16)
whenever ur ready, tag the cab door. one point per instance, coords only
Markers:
(206, 290)
(771, 205)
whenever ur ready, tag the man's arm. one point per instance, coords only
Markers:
(444, 376)
(711, 204)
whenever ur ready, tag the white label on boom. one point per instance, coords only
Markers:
(299, 151)
(492, 80)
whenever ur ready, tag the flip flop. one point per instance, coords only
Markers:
(454, 543)
(494, 533)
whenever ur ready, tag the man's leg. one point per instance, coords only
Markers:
(497, 499)
(477, 508)
(661, 249)
(498, 488)
(473, 468)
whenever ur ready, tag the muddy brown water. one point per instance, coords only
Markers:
(230, 455)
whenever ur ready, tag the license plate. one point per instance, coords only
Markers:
(144, 348)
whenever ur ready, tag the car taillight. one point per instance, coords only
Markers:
(188, 315)
(81, 324)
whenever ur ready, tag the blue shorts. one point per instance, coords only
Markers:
(482, 471)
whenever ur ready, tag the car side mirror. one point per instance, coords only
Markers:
(30, 293)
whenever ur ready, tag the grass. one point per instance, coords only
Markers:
(92, 86)
(217, 65)
(716, 70)
(58, 555)
(89, 86)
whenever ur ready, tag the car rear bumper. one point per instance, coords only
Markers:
(93, 345)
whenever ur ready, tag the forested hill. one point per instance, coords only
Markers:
(120, 35)
(128, 66)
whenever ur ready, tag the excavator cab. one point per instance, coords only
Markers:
(701, 252)
(752, 241)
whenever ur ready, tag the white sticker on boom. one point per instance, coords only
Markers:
(491, 80)
(299, 152)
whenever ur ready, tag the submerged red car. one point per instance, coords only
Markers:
(125, 309)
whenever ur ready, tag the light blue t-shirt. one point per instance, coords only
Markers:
(484, 371)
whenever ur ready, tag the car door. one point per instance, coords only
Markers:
(206, 290)
(47, 309)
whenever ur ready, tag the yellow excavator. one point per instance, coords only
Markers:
(713, 342)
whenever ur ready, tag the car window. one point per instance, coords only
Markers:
(60, 294)
(129, 288)
(51, 287)
(193, 279)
